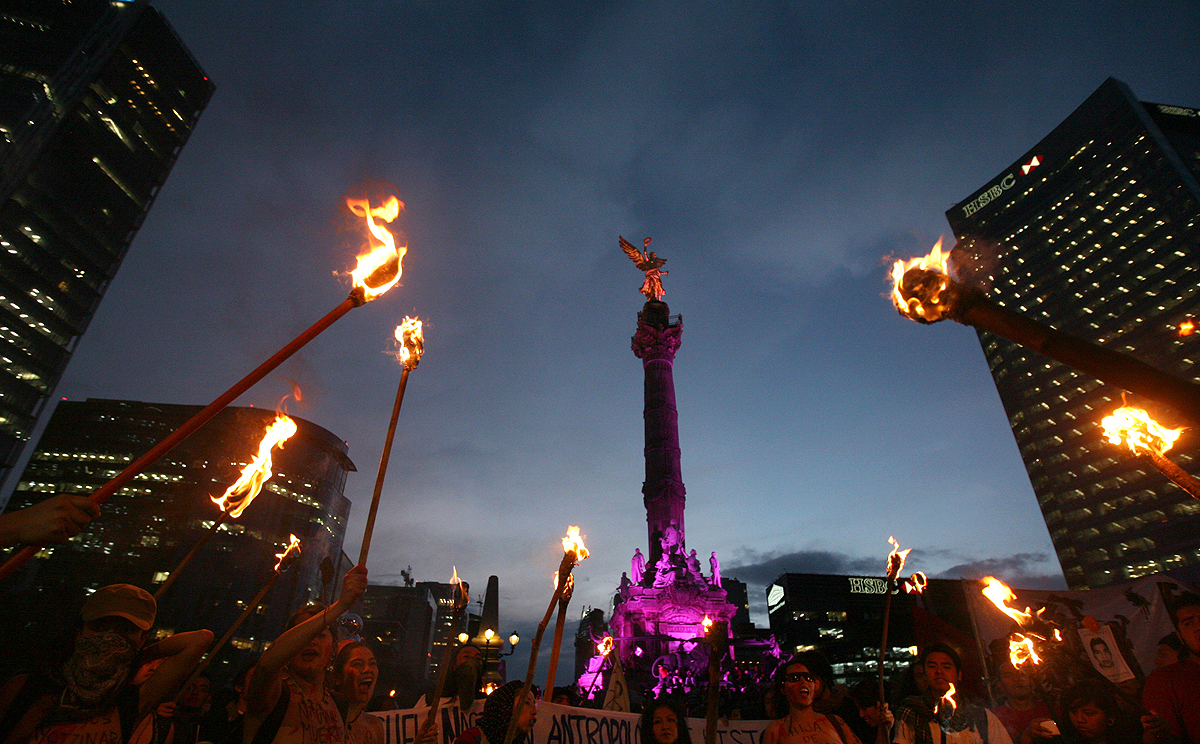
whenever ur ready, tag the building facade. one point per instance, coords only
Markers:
(97, 99)
(147, 527)
(1093, 231)
(842, 617)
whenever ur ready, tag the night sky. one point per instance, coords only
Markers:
(777, 153)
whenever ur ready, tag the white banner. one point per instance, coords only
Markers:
(560, 724)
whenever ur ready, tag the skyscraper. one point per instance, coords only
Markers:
(148, 526)
(1094, 231)
(97, 99)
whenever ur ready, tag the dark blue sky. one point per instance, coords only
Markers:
(776, 152)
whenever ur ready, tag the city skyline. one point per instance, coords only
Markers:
(774, 158)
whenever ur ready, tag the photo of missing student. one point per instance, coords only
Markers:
(1105, 654)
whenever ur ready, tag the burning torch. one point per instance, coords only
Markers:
(715, 634)
(459, 604)
(238, 496)
(377, 271)
(412, 346)
(559, 624)
(923, 290)
(1038, 641)
(604, 648)
(895, 564)
(289, 556)
(1149, 440)
(573, 552)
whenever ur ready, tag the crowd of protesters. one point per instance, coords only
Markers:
(107, 684)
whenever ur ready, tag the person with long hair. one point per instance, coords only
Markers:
(352, 683)
(664, 722)
(800, 681)
(285, 695)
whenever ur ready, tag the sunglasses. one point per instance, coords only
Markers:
(798, 676)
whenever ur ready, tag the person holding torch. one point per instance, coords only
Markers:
(935, 716)
(286, 689)
(92, 695)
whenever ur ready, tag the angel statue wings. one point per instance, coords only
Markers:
(650, 263)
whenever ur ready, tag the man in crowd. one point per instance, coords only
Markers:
(91, 695)
(191, 709)
(1022, 713)
(931, 718)
(1172, 693)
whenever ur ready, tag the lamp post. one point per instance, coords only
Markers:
(491, 644)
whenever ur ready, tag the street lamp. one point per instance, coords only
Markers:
(491, 645)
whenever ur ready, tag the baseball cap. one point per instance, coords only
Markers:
(121, 600)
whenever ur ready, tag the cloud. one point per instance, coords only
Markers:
(763, 568)
(1019, 570)
(757, 570)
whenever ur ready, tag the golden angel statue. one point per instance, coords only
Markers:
(650, 263)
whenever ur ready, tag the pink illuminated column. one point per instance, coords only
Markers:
(655, 343)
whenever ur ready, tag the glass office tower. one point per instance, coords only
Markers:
(97, 99)
(1095, 231)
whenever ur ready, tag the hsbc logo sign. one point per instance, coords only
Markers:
(995, 192)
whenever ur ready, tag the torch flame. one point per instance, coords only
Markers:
(1187, 327)
(918, 295)
(919, 581)
(707, 623)
(460, 595)
(1134, 427)
(895, 559)
(289, 554)
(573, 543)
(949, 698)
(242, 492)
(1000, 595)
(412, 342)
(380, 268)
(570, 583)
(1021, 650)
(605, 646)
